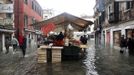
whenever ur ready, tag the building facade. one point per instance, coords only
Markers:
(48, 13)
(16, 17)
(115, 20)
(27, 12)
(6, 22)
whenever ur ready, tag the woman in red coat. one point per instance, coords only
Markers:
(23, 45)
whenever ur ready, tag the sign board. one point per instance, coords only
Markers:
(6, 8)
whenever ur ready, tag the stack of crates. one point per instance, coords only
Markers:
(42, 56)
(56, 55)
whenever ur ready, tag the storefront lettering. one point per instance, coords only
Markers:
(6, 8)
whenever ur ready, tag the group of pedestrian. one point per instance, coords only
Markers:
(83, 39)
(20, 43)
(127, 43)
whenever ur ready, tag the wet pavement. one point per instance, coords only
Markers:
(98, 61)
(112, 62)
(15, 64)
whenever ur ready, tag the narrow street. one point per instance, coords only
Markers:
(50, 30)
(96, 62)
(15, 64)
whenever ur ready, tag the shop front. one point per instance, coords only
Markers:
(107, 38)
(4, 33)
(116, 38)
(129, 33)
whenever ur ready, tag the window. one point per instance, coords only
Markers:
(128, 5)
(26, 20)
(32, 5)
(9, 1)
(33, 20)
(9, 15)
(26, 1)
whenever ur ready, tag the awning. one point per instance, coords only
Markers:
(6, 30)
(65, 19)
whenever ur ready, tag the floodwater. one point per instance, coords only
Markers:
(112, 62)
(98, 61)
(85, 66)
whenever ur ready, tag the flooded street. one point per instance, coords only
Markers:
(85, 66)
(112, 62)
(98, 61)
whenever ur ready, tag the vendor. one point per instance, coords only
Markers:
(59, 40)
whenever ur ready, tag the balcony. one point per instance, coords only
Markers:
(6, 23)
(111, 18)
(128, 14)
(114, 17)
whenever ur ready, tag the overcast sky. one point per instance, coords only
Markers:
(74, 7)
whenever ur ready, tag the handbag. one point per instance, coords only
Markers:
(122, 50)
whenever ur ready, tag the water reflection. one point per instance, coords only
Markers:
(49, 69)
(90, 61)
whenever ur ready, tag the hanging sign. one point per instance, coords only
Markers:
(6, 8)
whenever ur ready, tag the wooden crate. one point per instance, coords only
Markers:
(41, 56)
(56, 55)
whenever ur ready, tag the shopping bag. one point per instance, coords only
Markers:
(11, 49)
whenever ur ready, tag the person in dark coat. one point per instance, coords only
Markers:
(83, 39)
(60, 36)
(7, 44)
(130, 44)
(59, 40)
(123, 44)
